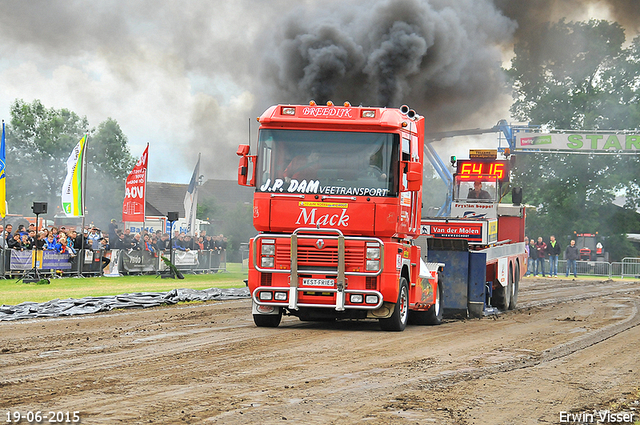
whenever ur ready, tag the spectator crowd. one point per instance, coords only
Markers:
(539, 251)
(69, 241)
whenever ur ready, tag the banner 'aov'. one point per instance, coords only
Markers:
(134, 192)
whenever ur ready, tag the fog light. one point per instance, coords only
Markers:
(356, 298)
(266, 296)
(281, 296)
(373, 265)
(267, 262)
(371, 299)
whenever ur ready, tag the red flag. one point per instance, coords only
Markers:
(135, 188)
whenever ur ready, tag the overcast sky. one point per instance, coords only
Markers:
(192, 76)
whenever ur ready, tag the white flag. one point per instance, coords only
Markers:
(72, 196)
(191, 200)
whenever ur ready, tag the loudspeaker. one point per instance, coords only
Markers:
(39, 207)
(172, 215)
(516, 195)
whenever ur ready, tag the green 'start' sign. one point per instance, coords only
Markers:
(580, 142)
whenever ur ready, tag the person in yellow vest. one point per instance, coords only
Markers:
(554, 252)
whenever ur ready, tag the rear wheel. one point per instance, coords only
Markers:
(514, 288)
(503, 294)
(398, 320)
(267, 320)
(433, 316)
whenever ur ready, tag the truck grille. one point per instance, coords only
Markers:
(309, 255)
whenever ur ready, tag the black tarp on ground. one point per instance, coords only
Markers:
(87, 305)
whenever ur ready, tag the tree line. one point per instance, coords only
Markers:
(38, 142)
(579, 76)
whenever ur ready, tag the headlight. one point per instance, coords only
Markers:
(373, 265)
(373, 253)
(268, 250)
(267, 262)
(371, 299)
(281, 296)
(266, 296)
(356, 298)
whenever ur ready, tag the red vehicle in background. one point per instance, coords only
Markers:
(591, 248)
(337, 205)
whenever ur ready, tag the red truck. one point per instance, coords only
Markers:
(337, 206)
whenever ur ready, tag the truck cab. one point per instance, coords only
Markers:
(337, 205)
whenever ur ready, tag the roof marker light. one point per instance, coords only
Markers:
(329, 103)
(312, 103)
(347, 104)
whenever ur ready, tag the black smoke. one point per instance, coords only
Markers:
(436, 56)
(442, 58)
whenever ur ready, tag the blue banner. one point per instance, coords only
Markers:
(21, 260)
(56, 261)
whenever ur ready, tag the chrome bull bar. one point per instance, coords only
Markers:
(340, 273)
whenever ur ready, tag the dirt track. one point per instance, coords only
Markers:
(570, 346)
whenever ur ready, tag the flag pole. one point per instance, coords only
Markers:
(144, 203)
(4, 216)
(83, 174)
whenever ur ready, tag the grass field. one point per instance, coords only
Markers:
(13, 292)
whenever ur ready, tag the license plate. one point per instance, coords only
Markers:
(318, 282)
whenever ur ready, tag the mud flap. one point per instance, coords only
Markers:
(477, 279)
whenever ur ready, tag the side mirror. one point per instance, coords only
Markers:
(516, 195)
(243, 166)
(414, 175)
(243, 171)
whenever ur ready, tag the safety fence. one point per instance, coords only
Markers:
(628, 267)
(17, 263)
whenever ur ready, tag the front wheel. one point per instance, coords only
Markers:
(267, 320)
(398, 320)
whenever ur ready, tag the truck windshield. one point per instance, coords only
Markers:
(328, 162)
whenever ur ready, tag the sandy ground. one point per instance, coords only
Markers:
(571, 346)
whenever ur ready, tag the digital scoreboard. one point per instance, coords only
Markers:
(479, 169)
